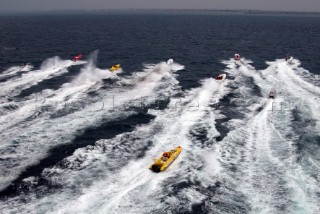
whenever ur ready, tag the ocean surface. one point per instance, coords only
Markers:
(76, 137)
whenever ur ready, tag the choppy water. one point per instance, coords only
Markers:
(77, 138)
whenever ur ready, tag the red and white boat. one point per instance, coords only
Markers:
(78, 57)
(237, 57)
(221, 77)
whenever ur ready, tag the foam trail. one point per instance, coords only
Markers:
(306, 79)
(49, 132)
(267, 173)
(13, 71)
(181, 120)
(256, 168)
(270, 179)
(50, 68)
(261, 151)
(89, 77)
(131, 180)
(68, 93)
(286, 78)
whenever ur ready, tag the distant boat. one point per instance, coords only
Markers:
(78, 57)
(115, 67)
(170, 61)
(237, 56)
(24, 67)
(289, 59)
(272, 94)
(221, 77)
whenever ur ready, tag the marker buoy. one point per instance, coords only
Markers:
(237, 56)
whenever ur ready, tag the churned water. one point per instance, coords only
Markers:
(79, 138)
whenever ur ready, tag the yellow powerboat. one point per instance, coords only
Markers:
(115, 67)
(165, 160)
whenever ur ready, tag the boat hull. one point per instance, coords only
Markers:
(221, 77)
(160, 164)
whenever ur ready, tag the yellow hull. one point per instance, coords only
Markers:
(115, 67)
(163, 162)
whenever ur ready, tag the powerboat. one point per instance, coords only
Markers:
(289, 59)
(170, 62)
(221, 77)
(237, 56)
(115, 67)
(165, 160)
(272, 94)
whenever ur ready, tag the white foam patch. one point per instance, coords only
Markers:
(89, 78)
(121, 184)
(212, 167)
(267, 172)
(13, 71)
(36, 140)
(58, 99)
(256, 160)
(300, 94)
(181, 120)
(50, 68)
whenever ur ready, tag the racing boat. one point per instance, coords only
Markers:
(289, 59)
(170, 62)
(78, 57)
(237, 57)
(165, 160)
(221, 77)
(272, 94)
(115, 67)
(25, 66)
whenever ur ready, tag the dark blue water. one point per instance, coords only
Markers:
(199, 42)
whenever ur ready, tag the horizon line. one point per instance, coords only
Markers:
(101, 11)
